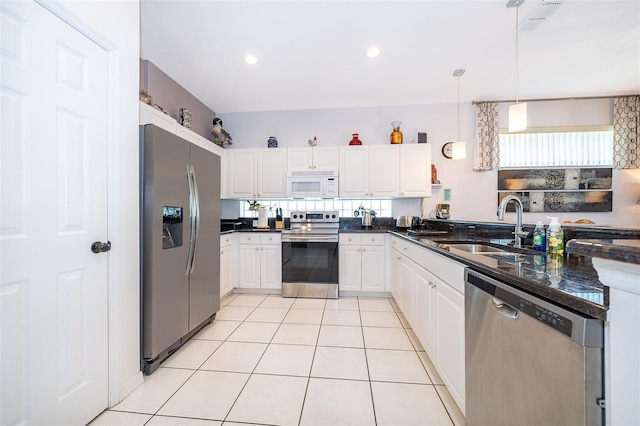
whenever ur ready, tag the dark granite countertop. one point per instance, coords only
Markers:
(569, 281)
(627, 251)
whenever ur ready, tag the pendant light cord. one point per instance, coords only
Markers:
(517, 56)
(458, 108)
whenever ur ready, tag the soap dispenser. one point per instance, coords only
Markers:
(555, 237)
(539, 237)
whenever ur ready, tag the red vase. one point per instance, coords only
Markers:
(355, 140)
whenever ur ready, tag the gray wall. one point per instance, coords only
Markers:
(169, 95)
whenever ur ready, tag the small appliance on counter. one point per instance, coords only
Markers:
(406, 222)
(442, 211)
(368, 216)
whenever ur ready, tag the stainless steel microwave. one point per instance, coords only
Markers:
(312, 184)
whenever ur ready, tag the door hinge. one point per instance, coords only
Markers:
(602, 403)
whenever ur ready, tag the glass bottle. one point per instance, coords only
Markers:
(355, 140)
(396, 135)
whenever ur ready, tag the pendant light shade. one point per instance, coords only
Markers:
(517, 117)
(517, 112)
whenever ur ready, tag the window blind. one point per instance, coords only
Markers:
(556, 149)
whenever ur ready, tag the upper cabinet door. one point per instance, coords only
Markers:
(242, 165)
(326, 158)
(272, 163)
(383, 170)
(415, 170)
(299, 159)
(353, 178)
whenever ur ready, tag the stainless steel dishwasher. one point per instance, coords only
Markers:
(529, 362)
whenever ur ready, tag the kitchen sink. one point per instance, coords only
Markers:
(477, 248)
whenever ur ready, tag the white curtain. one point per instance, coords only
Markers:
(626, 124)
(486, 147)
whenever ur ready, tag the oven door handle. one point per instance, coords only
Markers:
(308, 239)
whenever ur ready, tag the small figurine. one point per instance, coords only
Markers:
(221, 137)
(313, 142)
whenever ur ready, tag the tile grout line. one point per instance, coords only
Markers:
(366, 360)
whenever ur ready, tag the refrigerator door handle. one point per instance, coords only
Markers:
(196, 231)
(192, 220)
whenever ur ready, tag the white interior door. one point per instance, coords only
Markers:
(53, 289)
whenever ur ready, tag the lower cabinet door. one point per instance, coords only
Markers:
(450, 339)
(350, 271)
(407, 297)
(226, 270)
(271, 266)
(249, 266)
(425, 310)
(373, 261)
(395, 276)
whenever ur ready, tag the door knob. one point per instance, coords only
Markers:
(100, 247)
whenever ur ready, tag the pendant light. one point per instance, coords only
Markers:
(459, 147)
(517, 112)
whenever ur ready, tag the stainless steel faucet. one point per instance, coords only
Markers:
(519, 233)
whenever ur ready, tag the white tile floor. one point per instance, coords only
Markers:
(267, 360)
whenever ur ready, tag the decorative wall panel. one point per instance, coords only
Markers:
(555, 179)
(558, 190)
(562, 201)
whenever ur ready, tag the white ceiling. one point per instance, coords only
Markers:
(312, 53)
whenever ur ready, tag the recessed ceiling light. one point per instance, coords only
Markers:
(251, 60)
(372, 52)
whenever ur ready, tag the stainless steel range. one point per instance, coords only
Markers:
(310, 255)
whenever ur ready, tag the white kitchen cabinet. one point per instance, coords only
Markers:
(429, 289)
(323, 158)
(369, 171)
(226, 264)
(415, 170)
(260, 260)
(425, 310)
(256, 173)
(449, 339)
(362, 262)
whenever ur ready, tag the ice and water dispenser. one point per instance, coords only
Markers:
(171, 227)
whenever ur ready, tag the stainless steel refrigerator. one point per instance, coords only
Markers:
(180, 242)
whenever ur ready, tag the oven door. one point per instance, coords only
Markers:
(310, 262)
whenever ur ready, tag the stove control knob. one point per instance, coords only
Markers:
(301, 216)
(295, 216)
(333, 216)
(326, 216)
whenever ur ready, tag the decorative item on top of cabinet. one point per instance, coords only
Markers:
(185, 117)
(272, 142)
(355, 140)
(221, 136)
(396, 135)
(434, 175)
(313, 142)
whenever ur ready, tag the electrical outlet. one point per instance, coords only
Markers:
(447, 194)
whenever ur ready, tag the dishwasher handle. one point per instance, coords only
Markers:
(504, 309)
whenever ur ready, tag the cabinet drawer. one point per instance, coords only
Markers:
(449, 271)
(373, 239)
(406, 248)
(350, 239)
(271, 238)
(226, 240)
(249, 238)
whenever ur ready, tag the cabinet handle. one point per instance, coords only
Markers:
(404, 249)
(398, 258)
(349, 238)
(373, 239)
(364, 249)
(261, 248)
(257, 248)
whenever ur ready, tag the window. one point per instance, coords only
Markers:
(345, 207)
(572, 148)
